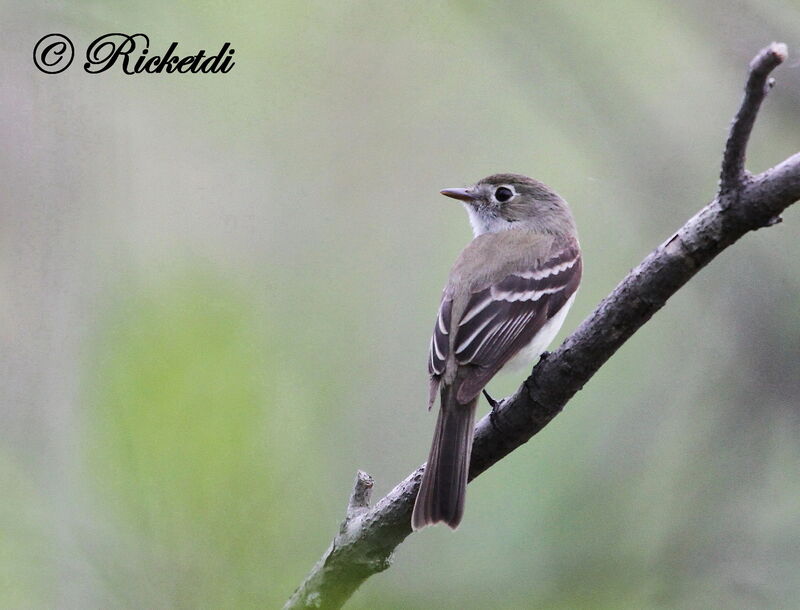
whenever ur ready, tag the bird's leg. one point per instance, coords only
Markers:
(492, 402)
(493, 413)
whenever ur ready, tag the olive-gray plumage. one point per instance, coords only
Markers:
(505, 299)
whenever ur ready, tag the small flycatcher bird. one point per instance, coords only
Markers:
(506, 298)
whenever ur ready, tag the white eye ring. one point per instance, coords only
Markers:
(500, 190)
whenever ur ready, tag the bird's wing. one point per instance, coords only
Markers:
(440, 340)
(481, 260)
(504, 317)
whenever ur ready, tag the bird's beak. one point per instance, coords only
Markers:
(462, 194)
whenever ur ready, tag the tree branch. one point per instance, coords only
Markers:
(733, 175)
(368, 537)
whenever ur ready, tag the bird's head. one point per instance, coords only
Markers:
(506, 201)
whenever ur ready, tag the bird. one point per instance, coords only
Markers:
(504, 301)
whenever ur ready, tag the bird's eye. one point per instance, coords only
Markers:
(503, 194)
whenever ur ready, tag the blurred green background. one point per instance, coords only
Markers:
(216, 294)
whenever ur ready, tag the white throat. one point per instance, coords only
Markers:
(485, 224)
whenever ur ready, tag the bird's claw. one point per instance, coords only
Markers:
(492, 402)
(493, 413)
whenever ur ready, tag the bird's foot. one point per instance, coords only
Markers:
(492, 402)
(493, 413)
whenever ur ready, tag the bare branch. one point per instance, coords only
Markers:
(348, 561)
(359, 499)
(732, 176)
(368, 537)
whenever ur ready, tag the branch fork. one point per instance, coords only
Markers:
(734, 176)
(358, 505)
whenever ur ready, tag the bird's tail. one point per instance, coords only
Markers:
(444, 483)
